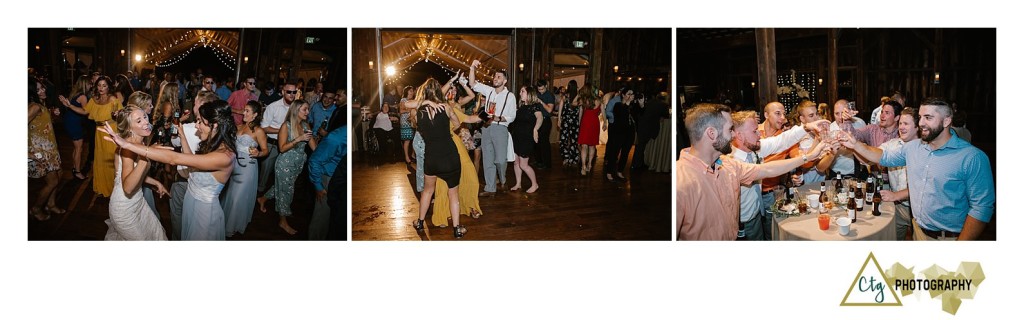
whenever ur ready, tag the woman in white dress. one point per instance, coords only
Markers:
(130, 216)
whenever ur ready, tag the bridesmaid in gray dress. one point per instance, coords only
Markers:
(211, 167)
(240, 196)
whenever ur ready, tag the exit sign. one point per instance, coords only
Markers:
(311, 40)
(579, 44)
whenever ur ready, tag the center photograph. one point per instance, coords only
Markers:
(511, 134)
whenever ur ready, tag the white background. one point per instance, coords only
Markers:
(514, 279)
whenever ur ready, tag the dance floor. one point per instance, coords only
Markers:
(567, 206)
(84, 223)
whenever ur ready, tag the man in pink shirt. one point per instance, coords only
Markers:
(708, 185)
(240, 97)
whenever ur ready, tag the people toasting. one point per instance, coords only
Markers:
(708, 184)
(949, 180)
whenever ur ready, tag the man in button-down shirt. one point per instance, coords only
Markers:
(749, 147)
(273, 118)
(707, 184)
(501, 104)
(898, 175)
(950, 181)
(842, 161)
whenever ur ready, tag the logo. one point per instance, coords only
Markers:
(873, 287)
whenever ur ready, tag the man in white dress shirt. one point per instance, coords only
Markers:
(501, 104)
(750, 148)
(273, 118)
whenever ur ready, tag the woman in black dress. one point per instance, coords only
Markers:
(525, 134)
(433, 119)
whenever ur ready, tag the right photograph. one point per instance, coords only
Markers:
(512, 134)
(835, 134)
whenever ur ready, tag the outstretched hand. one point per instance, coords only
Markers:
(111, 135)
(64, 101)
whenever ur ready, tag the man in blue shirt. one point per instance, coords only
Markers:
(225, 89)
(950, 181)
(321, 112)
(322, 164)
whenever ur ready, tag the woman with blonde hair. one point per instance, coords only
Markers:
(295, 133)
(130, 217)
(469, 183)
(434, 120)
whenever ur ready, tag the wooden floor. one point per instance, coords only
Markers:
(567, 206)
(84, 223)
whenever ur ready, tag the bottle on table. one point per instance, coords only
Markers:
(851, 208)
(822, 198)
(875, 201)
(859, 194)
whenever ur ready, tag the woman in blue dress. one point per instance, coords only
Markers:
(240, 196)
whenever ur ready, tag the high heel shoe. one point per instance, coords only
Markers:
(78, 174)
(418, 224)
(34, 212)
(55, 210)
(459, 231)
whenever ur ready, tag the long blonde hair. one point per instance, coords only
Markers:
(294, 123)
(429, 90)
(81, 86)
(168, 95)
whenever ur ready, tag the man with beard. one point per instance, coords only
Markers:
(950, 181)
(707, 185)
(749, 147)
(501, 105)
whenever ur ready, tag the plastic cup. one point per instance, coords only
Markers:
(823, 221)
(812, 199)
(844, 225)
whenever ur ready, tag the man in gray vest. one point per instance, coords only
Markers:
(501, 105)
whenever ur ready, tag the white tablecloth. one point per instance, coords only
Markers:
(867, 227)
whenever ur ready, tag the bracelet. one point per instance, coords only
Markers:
(147, 153)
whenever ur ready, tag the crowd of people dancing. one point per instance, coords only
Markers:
(455, 130)
(210, 147)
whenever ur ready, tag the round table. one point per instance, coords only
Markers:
(805, 227)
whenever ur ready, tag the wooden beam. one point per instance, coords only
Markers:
(832, 45)
(766, 65)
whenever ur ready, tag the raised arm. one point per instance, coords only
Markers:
(776, 168)
(214, 161)
(67, 104)
(472, 72)
(869, 153)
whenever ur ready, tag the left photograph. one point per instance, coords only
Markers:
(187, 134)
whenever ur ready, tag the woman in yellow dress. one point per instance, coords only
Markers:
(469, 184)
(100, 108)
(43, 157)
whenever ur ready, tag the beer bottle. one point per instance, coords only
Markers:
(876, 200)
(851, 208)
(822, 198)
(870, 191)
(839, 182)
(859, 193)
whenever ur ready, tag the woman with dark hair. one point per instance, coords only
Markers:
(295, 133)
(620, 137)
(525, 135)
(433, 119)
(102, 104)
(43, 157)
(130, 217)
(591, 116)
(240, 196)
(122, 87)
(568, 129)
(403, 119)
(209, 168)
(73, 121)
